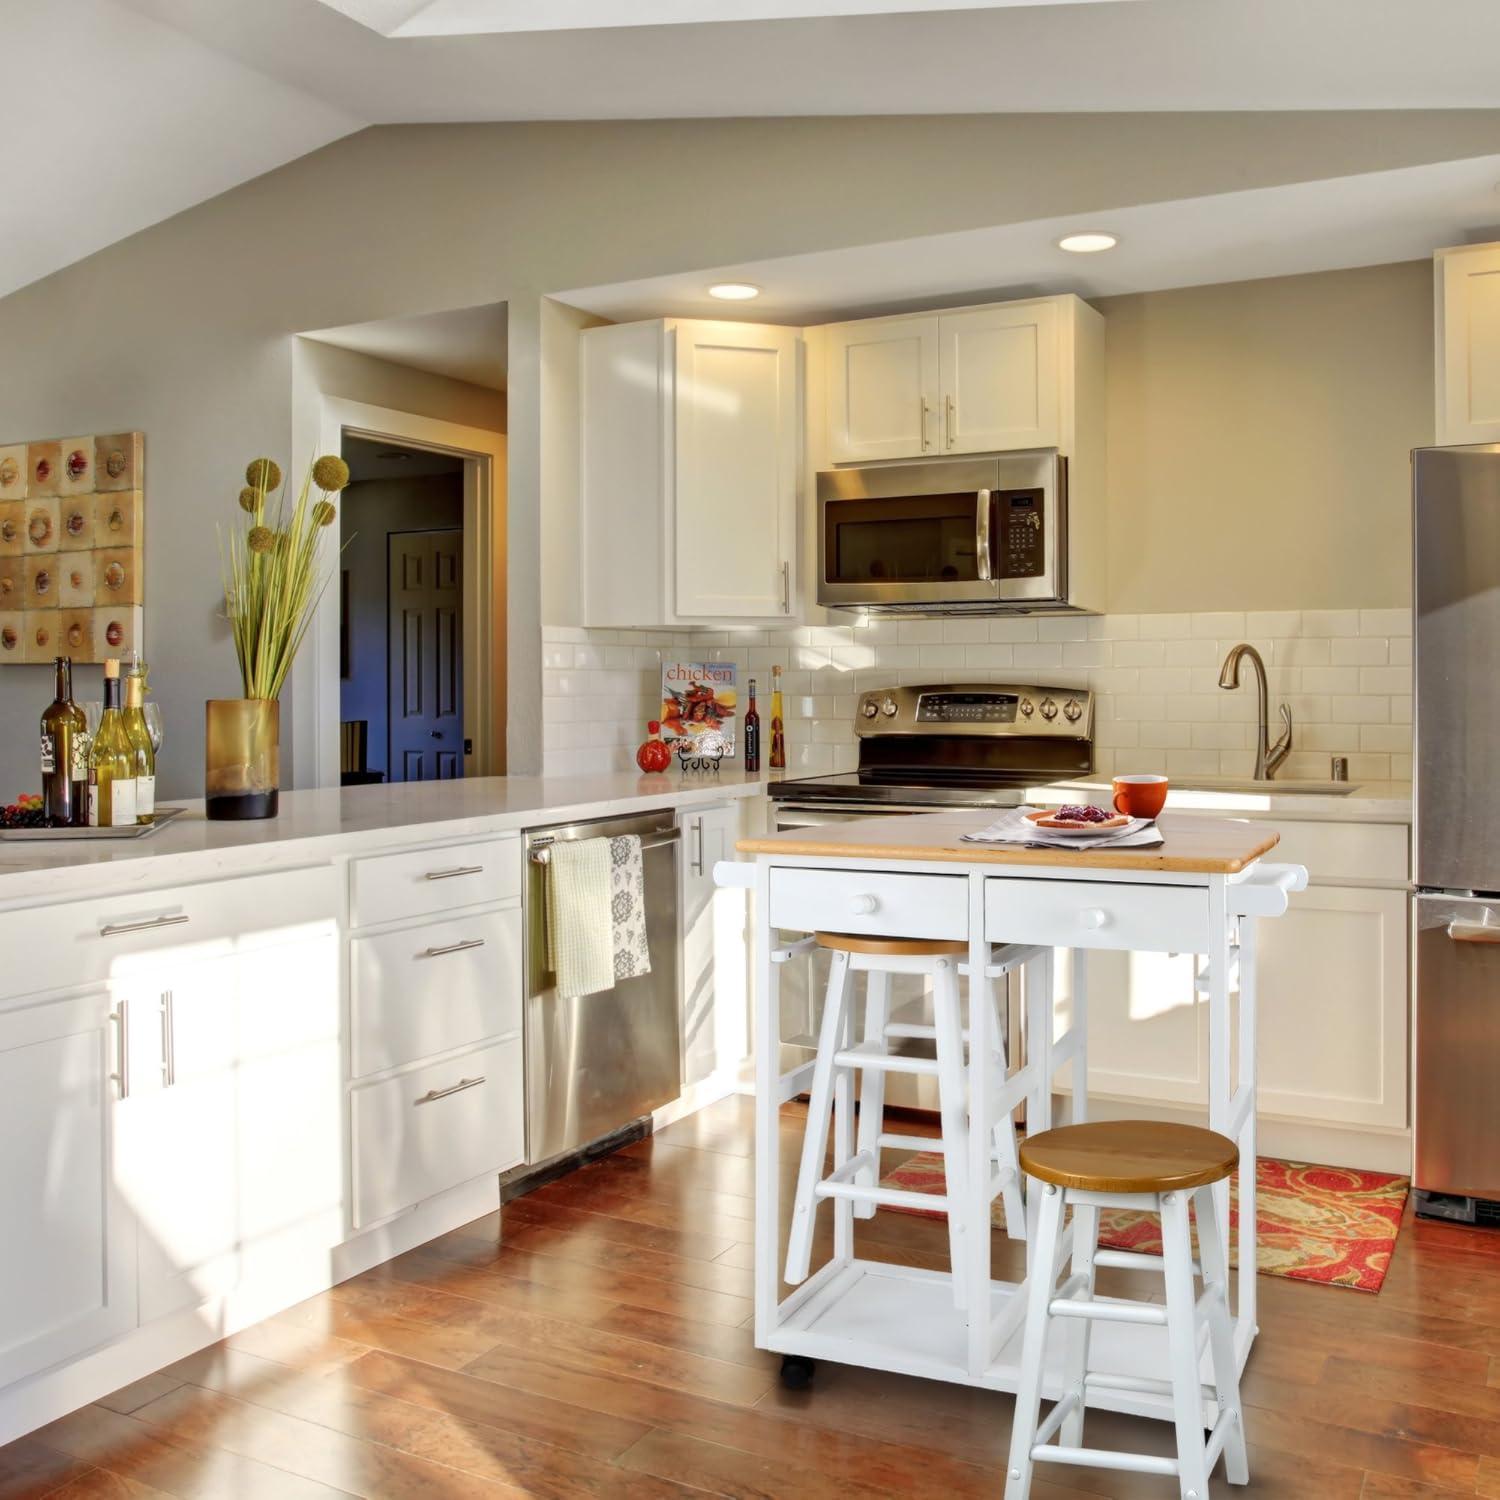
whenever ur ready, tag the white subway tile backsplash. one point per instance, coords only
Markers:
(1010, 631)
(1385, 679)
(966, 632)
(1360, 651)
(1385, 622)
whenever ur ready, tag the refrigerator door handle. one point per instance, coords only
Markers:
(1483, 931)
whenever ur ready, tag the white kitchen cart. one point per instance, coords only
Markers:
(1202, 892)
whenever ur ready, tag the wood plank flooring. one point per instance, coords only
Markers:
(601, 1346)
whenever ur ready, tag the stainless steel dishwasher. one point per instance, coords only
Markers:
(597, 1062)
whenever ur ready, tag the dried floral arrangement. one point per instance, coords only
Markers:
(271, 568)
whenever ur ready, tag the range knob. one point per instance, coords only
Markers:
(1049, 709)
(869, 708)
(1072, 711)
(888, 708)
(1027, 708)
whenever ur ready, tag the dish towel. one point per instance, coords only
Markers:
(1012, 828)
(596, 914)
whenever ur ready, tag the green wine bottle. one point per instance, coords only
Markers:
(111, 763)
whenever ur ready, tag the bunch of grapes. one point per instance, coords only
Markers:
(1083, 814)
(24, 812)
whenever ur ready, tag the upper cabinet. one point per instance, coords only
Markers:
(975, 380)
(691, 442)
(1468, 344)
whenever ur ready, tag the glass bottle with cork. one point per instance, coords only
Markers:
(142, 752)
(752, 732)
(65, 753)
(778, 725)
(111, 761)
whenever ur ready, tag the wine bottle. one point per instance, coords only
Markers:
(142, 755)
(752, 732)
(778, 724)
(111, 762)
(64, 753)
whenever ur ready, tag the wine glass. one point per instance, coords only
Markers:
(151, 710)
(93, 711)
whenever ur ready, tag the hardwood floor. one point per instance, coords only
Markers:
(601, 1347)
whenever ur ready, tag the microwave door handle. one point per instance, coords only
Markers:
(982, 535)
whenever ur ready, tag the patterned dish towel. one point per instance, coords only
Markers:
(596, 914)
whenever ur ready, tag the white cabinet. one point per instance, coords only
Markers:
(975, 380)
(1468, 344)
(67, 1256)
(690, 447)
(715, 993)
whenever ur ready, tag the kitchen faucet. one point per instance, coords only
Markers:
(1267, 755)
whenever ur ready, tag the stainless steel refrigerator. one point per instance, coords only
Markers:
(1456, 837)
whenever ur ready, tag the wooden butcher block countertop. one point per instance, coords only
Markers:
(1194, 845)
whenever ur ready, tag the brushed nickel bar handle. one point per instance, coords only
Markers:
(114, 929)
(120, 1015)
(168, 1041)
(542, 854)
(786, 588)
(926, 418)
(454, 873)
(454, 1088)
(698, 858)
(948, 421)
(452, 948)
(1474, 932)
(982, 535)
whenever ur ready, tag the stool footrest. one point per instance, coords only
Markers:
(872, 1055)
(1068, 1306)
(1106, 1458)
(910, 1143)
(1133, 1260)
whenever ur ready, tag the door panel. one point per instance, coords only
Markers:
(882, 390)
(999, 372)
(425, 612)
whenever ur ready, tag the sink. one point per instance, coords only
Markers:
(1267, 788)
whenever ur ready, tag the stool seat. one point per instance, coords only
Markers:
(1129, 1156)
(893, 947)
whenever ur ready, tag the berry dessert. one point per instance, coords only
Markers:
(1078, 818)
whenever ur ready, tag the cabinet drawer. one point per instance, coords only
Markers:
(86, 941)
(1336, 852)
(432, 988)
(435, 1127)
(428, 882)
(1096, 914)
(918, 906)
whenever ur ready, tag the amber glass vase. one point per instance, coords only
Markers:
(242, 757)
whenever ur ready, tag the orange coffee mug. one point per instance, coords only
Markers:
(1140, 796)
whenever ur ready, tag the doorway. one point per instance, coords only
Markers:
(402, 646)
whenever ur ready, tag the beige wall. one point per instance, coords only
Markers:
(350, 376)
(1258, 440)
(185, 330)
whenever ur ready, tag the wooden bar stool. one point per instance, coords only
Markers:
(1160, 1168)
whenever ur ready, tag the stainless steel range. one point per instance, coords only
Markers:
(948, 745)
(920, 749)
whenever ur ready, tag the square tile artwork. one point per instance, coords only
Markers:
(71, 527)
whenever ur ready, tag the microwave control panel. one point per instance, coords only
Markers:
(1023, 537)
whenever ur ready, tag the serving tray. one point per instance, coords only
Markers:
(164, 815)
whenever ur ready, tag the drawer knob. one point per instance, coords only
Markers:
(1093, 916)
(862, 906)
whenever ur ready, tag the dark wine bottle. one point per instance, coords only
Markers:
(752, 732)
(65, 755)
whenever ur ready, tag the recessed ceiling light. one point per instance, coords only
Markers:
(1088, 242)
(733, 291)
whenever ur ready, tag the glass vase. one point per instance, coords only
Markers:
(242, 757)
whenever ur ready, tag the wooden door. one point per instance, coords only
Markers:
(67, 1257)
(883, 389)
(999, 374)
(1468, 358)
(424, 615)
(734, 512)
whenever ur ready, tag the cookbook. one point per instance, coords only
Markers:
(699, 698)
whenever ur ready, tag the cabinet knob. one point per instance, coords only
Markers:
(1093, 916)
(862, 906)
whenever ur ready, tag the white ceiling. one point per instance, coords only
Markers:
(369, 460)
(465, 343)
(1315, 226)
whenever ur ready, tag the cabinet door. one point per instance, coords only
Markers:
(1468, 363)
(714, 976)
(1333, 1008)
(235, 1156)
(735, 506)
(67, 1256)
(1146, 1038)
(999, 373)
(883, 391)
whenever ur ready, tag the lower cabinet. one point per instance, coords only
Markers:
(715, 959)
(67, 1255)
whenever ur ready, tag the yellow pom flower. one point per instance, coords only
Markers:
(330, 473)
(260, 539)
(323, 513)
(249, 499)
(263, 474)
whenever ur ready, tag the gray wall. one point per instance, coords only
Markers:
(371, 511)
(184, 330)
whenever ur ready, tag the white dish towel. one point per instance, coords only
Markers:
(596, 914)
(1012, 827)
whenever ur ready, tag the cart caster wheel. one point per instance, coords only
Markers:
(796, 1371)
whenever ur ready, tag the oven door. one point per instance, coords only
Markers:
(968, 534)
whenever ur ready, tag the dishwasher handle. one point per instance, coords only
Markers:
(1482, 931)
(541, 850)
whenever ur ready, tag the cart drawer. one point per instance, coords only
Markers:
(870, 903)
(1097, 914)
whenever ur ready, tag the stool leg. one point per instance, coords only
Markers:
(1076, 1368)
(1221, 1336)
(1038, 1293)
(872, 1086)
(1182, 1346)
(843, 1138)
(952, 1094)
(820, 1107)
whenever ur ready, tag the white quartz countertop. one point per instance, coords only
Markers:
(1365, 802)
(314, 825)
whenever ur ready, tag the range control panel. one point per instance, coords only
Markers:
(1023, 537)
(977, 709)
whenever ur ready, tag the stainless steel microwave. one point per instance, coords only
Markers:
(966, 535)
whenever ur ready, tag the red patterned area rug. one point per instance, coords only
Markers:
(1327, 1224)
